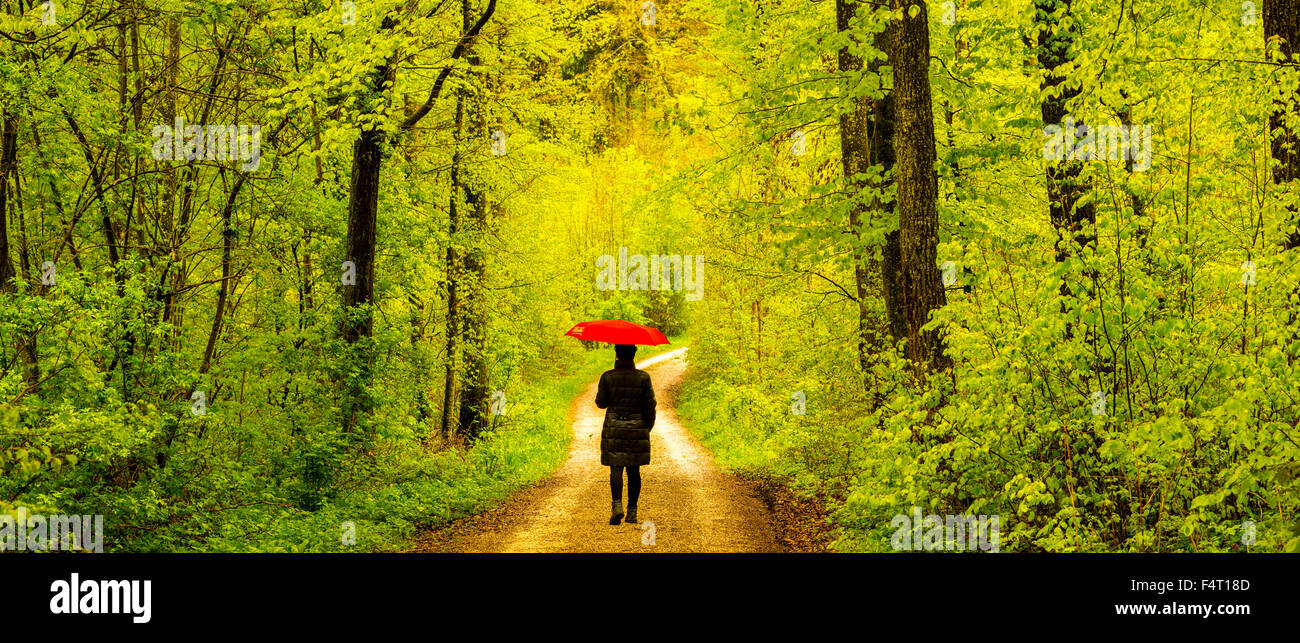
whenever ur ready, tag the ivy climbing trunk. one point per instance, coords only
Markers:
(1071, 215)
(865, 132)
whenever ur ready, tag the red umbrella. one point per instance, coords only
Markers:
(617, 331)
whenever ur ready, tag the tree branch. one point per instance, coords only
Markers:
(461, 48)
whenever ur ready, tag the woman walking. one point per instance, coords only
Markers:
(629, 400)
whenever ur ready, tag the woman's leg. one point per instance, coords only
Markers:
(616, 482)
(633, 485)
(616, 490)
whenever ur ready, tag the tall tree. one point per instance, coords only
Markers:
(452, 361)
(473, 415)
(918, 184)
(25, 343)
(363, 206)
(465, 386)
(866, 131)
(1071, 215)
(1282, 23)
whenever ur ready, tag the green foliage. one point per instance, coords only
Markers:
(1199, 372)
(126, 390)
(255, 425)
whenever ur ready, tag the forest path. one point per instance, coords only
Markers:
(687, 504)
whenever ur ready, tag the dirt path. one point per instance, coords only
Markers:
(686, 504)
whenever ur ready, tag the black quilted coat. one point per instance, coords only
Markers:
(629, 400)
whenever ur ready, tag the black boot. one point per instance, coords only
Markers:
(631, 513)
(616, 514)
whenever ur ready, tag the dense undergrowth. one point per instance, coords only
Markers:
(228, 488)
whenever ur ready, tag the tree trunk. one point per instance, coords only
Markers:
(865, 140)
(1065, 187)
(451, 363)
(882, 153)
(363, 223)
(1282, 21)
(26, 343)
(173, 312)
(363, 213)
(223, 290)
(359, 293)
(918, 185)
(473, 418)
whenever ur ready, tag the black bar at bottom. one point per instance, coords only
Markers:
(662, 592)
